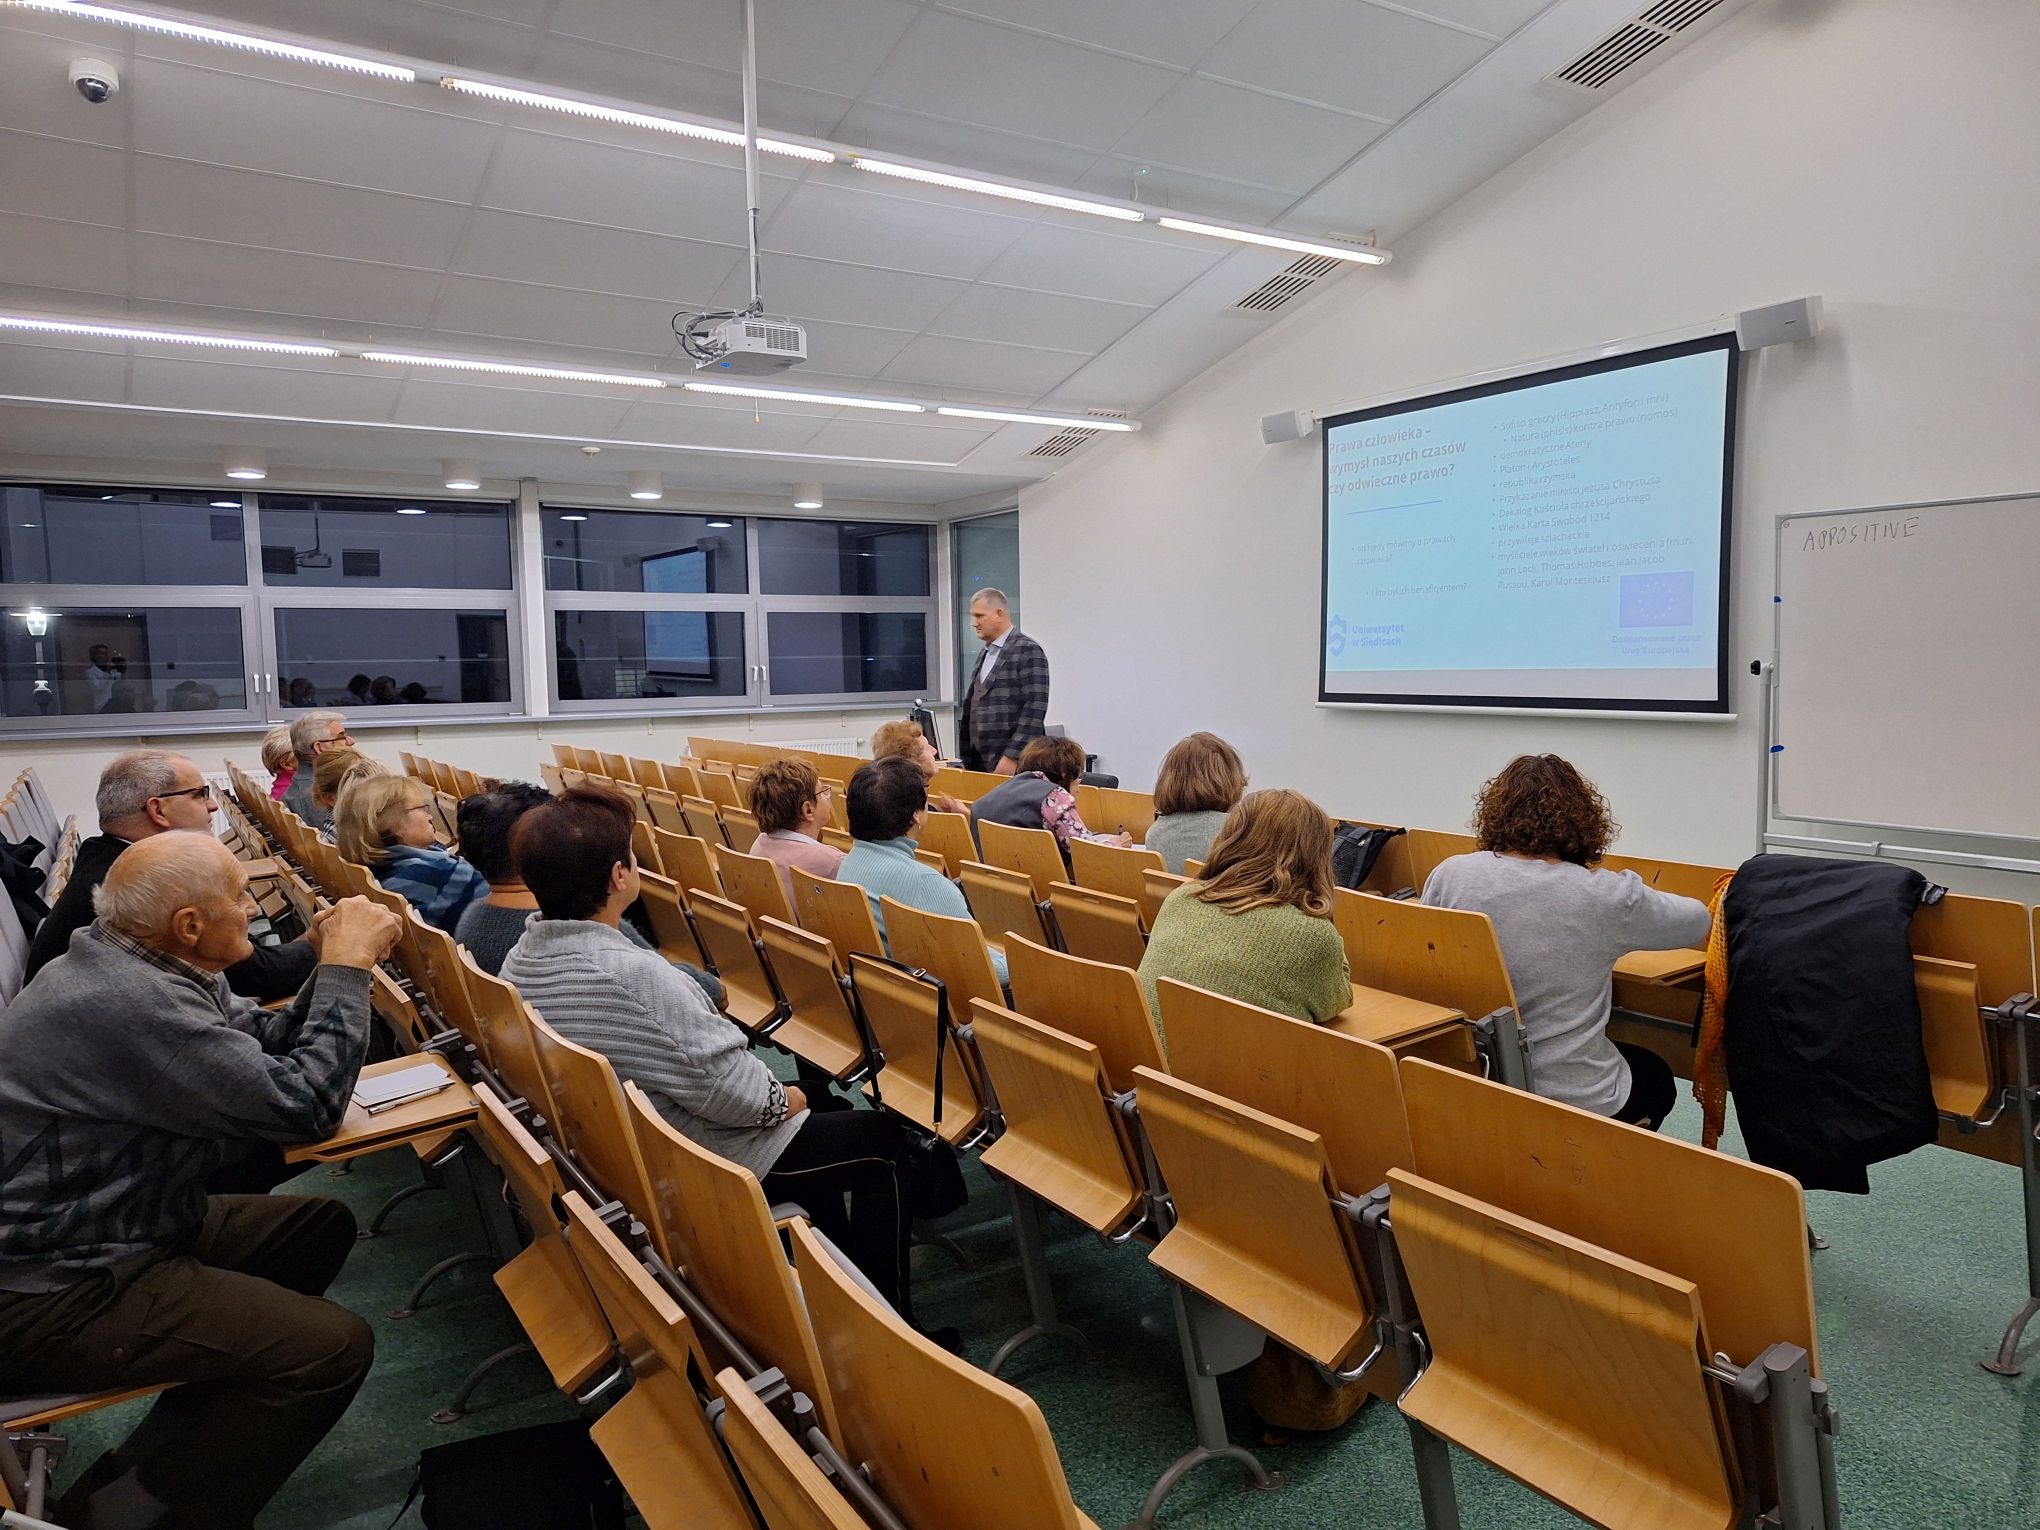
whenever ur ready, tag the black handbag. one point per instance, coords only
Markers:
(1355, 849)
(546, 1477)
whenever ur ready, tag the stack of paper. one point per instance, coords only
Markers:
(400, 1087)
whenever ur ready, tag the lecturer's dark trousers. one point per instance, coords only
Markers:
(264, 1365)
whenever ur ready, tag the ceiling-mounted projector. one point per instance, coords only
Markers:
(750, 345)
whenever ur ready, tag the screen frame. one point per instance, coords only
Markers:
(1720, 705)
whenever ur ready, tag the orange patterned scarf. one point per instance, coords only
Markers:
(1710, 1062)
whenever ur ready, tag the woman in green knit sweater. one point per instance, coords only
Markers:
(1258, 927)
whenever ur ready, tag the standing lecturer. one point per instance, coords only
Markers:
(1006, 706)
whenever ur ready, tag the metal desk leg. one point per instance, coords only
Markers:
(1195, 1322)
(2020, 1014)
(1034, 1272)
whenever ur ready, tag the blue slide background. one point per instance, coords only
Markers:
(1574, 525)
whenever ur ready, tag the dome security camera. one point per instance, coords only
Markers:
(97, 80)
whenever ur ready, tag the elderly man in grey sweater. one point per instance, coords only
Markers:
(131, 1070)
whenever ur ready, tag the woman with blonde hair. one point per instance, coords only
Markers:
(903, 738)
(1258, 926)
(383, 823)
(279, 758)
(1201, 780)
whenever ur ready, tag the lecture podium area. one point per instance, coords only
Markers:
(1621, 1322)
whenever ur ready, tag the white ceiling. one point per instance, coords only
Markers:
(239, 193)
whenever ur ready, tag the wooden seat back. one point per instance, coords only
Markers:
(664, 806)
(1443, 956)
(1428, 847)
(1344, 1089)
(722, 1241)
(1115, 869)
(749, 995)
(687, 860)
(681, 780)
(510, 1040)
(902, 1012)
(719, 785)
(949, 947)
(703, 821)
(965, 786)
(1993, 935)
(1003, 904)
(616, 767)
(673, 932)
(644, 846)
(1098, 925)
(820, 1027)
(627, 788)
(1155, 887)
(839, 912)
(1115, 810)
(1094, 1001)
(1529, 1331)
(740, 828)
(1063, 1140)
(789, 1490)
(553, 777)
(948, 835)
(647, 774)
(656, 1436)
(949, 1447)
(1654, 1199)
(588, 1118)
(1256, 1230)
(1031, 852)
(754, 882)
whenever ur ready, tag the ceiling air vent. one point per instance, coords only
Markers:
(1064, 442)
(1610, 60)
(1292, 281)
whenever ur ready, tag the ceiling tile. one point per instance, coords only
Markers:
(476, 34)
(72, 257)
(1166, 188)
(60, 178)
(1039, 318)
(935, 361)
(429, 401)
(853, 350)
(1146, 268)
(835, 47)
(317, 133)
(1177, 32)
(804, 289)
(521, 248)
(270, 282)
(882, 438)
(1242, 135)
(582, 321)
(693, 425)
(951, 66)
(1498, 18)
(588, 182)
(175, 196)
(61, 371)
(943, 141)
(868, 225)
(260, 389)
(1345, 53)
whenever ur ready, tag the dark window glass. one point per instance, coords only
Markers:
(353, 658)
(120, 536)
(344, 544)
(644, 552)
(819, 653)
(842, 558)
(630, 655)
(87, 660)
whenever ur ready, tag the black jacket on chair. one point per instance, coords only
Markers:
(1822, 1027)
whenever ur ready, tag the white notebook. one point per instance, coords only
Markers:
(399, 1087)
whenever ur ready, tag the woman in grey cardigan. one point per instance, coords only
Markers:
(596, 987)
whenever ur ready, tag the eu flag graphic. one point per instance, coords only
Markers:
(1657, 600)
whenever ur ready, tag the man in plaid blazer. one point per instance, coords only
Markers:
(1005, 707)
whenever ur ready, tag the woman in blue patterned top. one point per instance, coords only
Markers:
(385, 825)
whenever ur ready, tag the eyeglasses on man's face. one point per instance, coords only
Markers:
(202, 791)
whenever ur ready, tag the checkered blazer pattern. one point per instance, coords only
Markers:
(1013, 710)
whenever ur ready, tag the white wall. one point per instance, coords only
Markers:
(1883, 153)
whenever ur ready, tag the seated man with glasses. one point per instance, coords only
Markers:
(311, 735)
(143, 793)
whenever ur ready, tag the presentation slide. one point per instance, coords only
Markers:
(1552, 540)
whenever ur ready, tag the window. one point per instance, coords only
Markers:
(843, 558)
(986, 554)
(334, 543)
(644, 553)
(120, 537)
(610, 656)
(327, 656)
(76, 661)
(815, 653)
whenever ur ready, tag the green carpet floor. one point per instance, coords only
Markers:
(1922, 1276)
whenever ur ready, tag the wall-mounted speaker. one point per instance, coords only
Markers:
(1779, 324)
(1290, 425)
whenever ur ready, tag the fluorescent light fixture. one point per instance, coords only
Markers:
(268, 45)
(226, 504)
(1010, 191)
(1022, 417)
(247, 462)
(512, 368)
(618, 115)
(38, 325)
(571, 516)
(721, 523)
(37, 620)
(794, 396)
(647, 486)
(461, 472)
(1356, 253)
(807, 495)
(411, 510)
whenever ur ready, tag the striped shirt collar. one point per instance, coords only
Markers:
(176, 966)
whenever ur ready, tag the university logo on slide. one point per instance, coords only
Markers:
(1335, 637)
(1657, 600)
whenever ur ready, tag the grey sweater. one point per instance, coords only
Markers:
(595, 987)
(123, 1082)
(489, 932)
(1180, 837)
(1561, 929)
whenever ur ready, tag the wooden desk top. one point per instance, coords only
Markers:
(1375, 1015)
(361, 1132)
(1662, 966)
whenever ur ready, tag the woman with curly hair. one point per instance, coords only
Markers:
(1540, 827)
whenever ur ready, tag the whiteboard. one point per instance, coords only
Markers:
(1908, 667)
